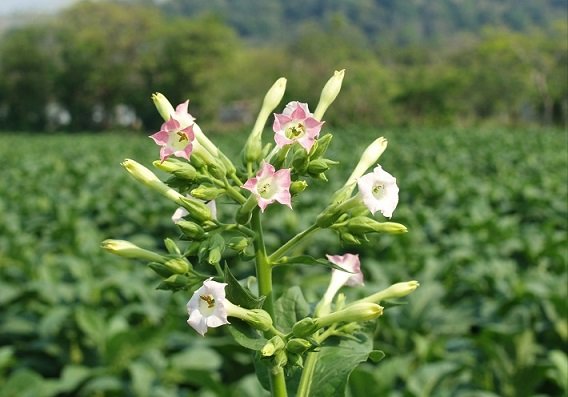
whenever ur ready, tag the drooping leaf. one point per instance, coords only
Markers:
(307, 260)
(240, 295)
(290, 308)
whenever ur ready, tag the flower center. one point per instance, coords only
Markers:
(266, 188)
(207, 304)
(295, 131)
(182, 136)
(379, 190)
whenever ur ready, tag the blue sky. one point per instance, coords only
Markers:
(12, 6)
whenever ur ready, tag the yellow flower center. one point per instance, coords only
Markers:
(295, 131)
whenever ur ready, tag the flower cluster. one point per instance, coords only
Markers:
(202, 178)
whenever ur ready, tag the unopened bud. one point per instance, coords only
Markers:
(207, 193)
(177, 265)
(280, 361)
(175, 282)
(320, 146)
(358, 312)
(148, 178)
(297, 187)
(196, 209)
(298, 345)
(191, 229)
(368, 159)
(215, 247)
(172, 247)
(238, 244)
(272, 346)
(160, 269)
(398, 290)
(164, 106)
(363, 224)
(128, 250)
(305, 327)
(329, 93)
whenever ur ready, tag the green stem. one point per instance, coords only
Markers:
(307, 374)
(264, 276)
(292, 243)
(235, 194)
(278, 384)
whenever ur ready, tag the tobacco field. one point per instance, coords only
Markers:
(487, 213)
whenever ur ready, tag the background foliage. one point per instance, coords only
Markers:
(412, 62)
(487, 243)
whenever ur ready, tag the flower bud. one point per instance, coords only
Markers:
(238, 244)
(177, 265)
(196, 209)
(191, 229)
(274, 95)
(363, 224)
(160, 269)
(257, 318)
(148, 178)
(207, 193)
(215, 248)
(398, 290)
(176, 282)
(368, 159)
(164, 106)
(320, 165)
(298, 345)
(357, 312)
(272, 346)
(328, 216)
(320, 146)
(171, 247)
(305, 327)
(253, 146)
(128, 250)
(178, 168)
(297, 187)
(295, 359)
(329, 93)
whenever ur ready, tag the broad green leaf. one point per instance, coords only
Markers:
(290, 308)
(337, 359)
(240, 295)
(197, 358)
(245, 335)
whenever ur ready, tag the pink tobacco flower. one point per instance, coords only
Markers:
(176, 135)
(296, 124)
(352, 276)
(379, 191)
(206, 308)
(270, 185)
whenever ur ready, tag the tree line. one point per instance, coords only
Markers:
(95, 65)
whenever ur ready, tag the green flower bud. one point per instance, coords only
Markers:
(191, 230)
(178, 265)
(320, 165)
(238, 244)
(215, 246)
(176, 282)
(296, 360)
(272, 346)
(329, 93)
(207, 193)
(349, 238)
(160, 269)
(197, 210)
(298, 345)
(363, 224)
(300, 161)
(128, 250)
(297, 187)
(244, 213)
(305, 327)
(358, 312)
(176, 167)
(320, 146)
(398, 290)
(171, 247)
(163, 106)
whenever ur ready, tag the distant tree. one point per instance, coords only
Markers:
(27, 72)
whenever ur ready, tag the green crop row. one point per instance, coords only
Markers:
(487, 213)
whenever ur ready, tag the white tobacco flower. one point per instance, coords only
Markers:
(206, 308)
(352, 276)
(379, 191)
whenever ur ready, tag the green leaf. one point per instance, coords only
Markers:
(290, 308)
(307, 260)
(197, 358)
(245, 335)
(376, 355)
(92, 323)
(240, 295)
(337, 359)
